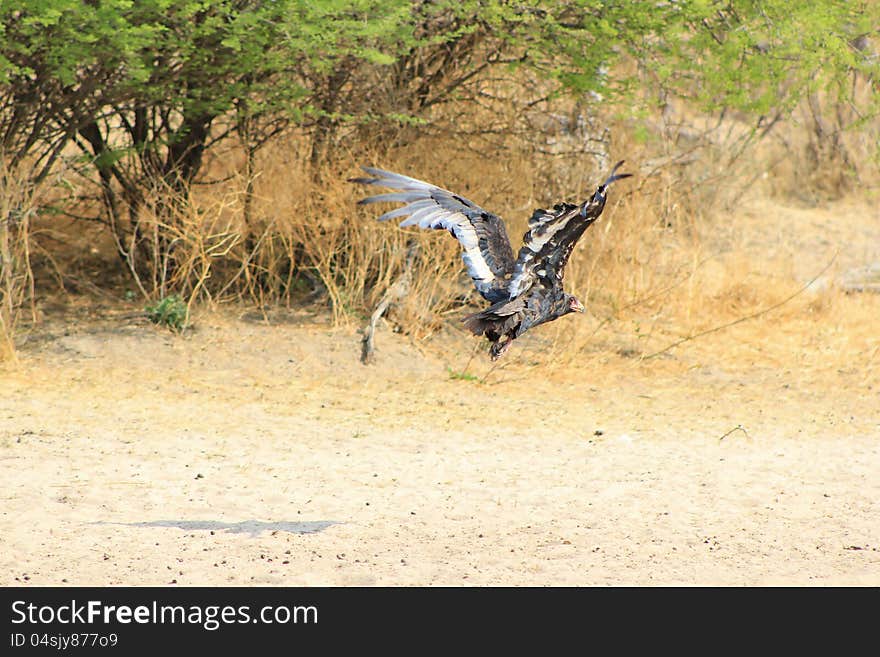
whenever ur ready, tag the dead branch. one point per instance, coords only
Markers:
(740, 320)
(397, 291)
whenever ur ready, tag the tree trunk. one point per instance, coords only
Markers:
(327, 123)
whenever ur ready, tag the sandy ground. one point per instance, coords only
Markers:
(248, 452)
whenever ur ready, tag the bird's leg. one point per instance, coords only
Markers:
(500, 348)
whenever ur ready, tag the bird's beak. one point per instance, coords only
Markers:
(577, 306)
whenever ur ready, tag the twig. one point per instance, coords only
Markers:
(474, 351)
(489, 373)
(738, 427)
(745, 318)
(644, 299)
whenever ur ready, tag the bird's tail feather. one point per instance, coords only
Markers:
(477, 323)
(497, 318)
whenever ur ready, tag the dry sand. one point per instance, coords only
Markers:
(248, 452)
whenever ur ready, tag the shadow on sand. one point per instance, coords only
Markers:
(252, 527)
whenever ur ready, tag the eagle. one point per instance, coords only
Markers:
(524, 291)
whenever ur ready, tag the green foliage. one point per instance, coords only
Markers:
(461, 376)
(61, 63)
(765, 56)
(145, 88)
(170, 311)
(170, 70)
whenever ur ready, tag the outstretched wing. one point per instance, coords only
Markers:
(549, 232)
(552, 236)
(485, 246)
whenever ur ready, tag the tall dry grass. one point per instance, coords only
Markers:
(18, 201)
(319, 230)
(635, 261)
(276, 231)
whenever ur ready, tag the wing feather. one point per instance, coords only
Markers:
(553, 234)
(486, 249)
(547, 231)
(406, 210)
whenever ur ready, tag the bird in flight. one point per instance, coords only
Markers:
(523, 291)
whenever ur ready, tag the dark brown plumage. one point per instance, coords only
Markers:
(524, 292)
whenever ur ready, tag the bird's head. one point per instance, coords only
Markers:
(593, 208)
(573, 305)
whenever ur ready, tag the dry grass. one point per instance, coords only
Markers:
(658, 267)
(357, 259)
(318, 228)
(17, 205)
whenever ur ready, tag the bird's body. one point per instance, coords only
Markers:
(524, 291)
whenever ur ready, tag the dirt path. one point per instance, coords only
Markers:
(251, 455)
(245, 453)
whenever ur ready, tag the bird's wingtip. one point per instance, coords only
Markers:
(374, 175)
(614, 176)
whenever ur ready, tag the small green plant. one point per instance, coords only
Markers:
(170, 311)
(461, 376)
